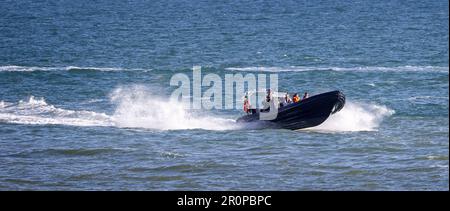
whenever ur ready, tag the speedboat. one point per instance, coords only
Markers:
(309, 112)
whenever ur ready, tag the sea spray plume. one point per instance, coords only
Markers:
(356, 117)
(137, 106)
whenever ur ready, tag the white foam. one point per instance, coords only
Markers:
(14, 68)
(426, 97)
(41, 120)
(93, 68)
(2, 104)
(136, 107)
(37, 111)
(356, 117)
(439, 166)
(406, 68)
(276, 69)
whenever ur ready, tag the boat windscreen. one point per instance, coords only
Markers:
(263, 93)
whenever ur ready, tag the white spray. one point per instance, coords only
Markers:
(356, 117)
(137, 107)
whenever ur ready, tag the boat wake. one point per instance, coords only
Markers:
(37, 111)
(136, 107)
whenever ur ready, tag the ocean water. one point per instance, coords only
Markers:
(84, 87)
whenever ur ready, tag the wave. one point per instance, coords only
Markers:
(407, 68)
(427, 98)
(37, 111)
(356, 117)
(14, 68)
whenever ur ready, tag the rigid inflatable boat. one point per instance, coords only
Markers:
(309, 112)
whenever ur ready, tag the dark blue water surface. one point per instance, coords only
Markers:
(84, 87)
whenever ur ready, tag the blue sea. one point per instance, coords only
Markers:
(84, 88)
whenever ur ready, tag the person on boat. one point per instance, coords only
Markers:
(295, 98)
(306, 95)
(246, 105)
(266, 102)
(287, 98)
(268, 95)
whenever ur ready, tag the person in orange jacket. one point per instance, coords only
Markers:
(295, 98)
